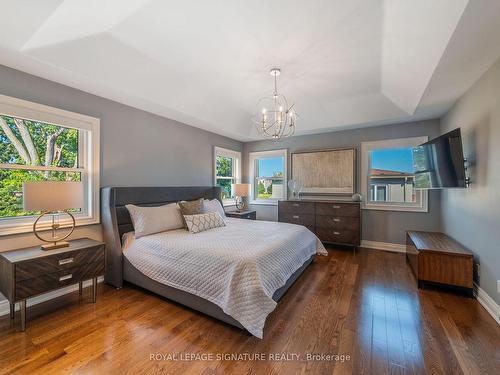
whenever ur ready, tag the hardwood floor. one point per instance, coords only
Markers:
(364, 305)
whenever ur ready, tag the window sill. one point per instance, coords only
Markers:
(7, 230)
(377, 207)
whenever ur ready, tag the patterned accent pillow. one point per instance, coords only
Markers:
(202, 222)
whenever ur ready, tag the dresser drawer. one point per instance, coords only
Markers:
(338, 236)
(301, 219)
(50, 281)
(296, 207)
(58, 262)
(337, 209)
(338, 222)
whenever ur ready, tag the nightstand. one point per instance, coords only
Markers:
(251, 215)
(28, 272)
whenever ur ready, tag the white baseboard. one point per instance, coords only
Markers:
(5, 308)
(386, 246)
(487, 302)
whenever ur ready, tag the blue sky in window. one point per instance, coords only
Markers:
(267, 167)
(394, 159)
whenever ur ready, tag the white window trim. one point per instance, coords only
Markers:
(236, 155)
(89, 160)
(251, 171)
(366, 147)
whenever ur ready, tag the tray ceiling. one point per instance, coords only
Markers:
(345, 64)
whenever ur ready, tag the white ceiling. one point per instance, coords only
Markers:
(345, 63)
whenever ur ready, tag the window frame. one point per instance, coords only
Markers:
(88, 160)
(252, 168)
(366, 147)
(235, 155)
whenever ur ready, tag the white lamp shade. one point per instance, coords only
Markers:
(241, 190)
(52, 195)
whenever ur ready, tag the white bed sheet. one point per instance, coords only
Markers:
(237, 267)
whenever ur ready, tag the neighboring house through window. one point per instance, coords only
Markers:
(392, 186)
(388, 181)
(268, 176)
(227, 167)
(41, 143)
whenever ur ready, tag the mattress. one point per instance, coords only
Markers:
(237, 267)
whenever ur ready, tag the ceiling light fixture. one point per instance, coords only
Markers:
(276, 120)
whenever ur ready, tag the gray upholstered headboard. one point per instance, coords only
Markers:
(116, 219)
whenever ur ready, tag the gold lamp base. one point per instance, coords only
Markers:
(54, 242)
(55, 245)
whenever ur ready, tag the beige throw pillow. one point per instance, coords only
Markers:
(149, 220)
(191, 207)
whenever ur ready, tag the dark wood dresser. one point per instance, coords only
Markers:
(336, 222)
(26, 273)
(438, 259)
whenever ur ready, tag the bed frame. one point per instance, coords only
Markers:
(116, 221)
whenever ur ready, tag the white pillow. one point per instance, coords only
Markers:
(149, 220)
(213, 206)
(202, 222)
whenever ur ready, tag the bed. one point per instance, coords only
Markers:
(236, 273)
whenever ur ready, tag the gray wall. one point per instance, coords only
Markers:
(381, 226)
(472, 216)
(137, 147)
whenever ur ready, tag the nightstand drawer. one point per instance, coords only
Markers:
(250, 215)
(58, 262)
(50, 281)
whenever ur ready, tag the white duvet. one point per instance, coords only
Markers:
(237, 267)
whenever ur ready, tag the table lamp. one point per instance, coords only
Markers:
(240, 191)
(53, 198)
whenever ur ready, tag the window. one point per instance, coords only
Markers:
(268, 176)
(43, 143)
(378, 193)
(388, 181)
(227, 171)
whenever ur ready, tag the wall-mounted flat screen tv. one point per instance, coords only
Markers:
(439, 163)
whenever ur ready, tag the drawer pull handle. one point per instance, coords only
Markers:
(336, 233)
(66, 261)
(336, 220)
(66, 277)
(296, 205)
(336, 207)
(295, 216)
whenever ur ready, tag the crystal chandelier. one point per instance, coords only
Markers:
(276, 119)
